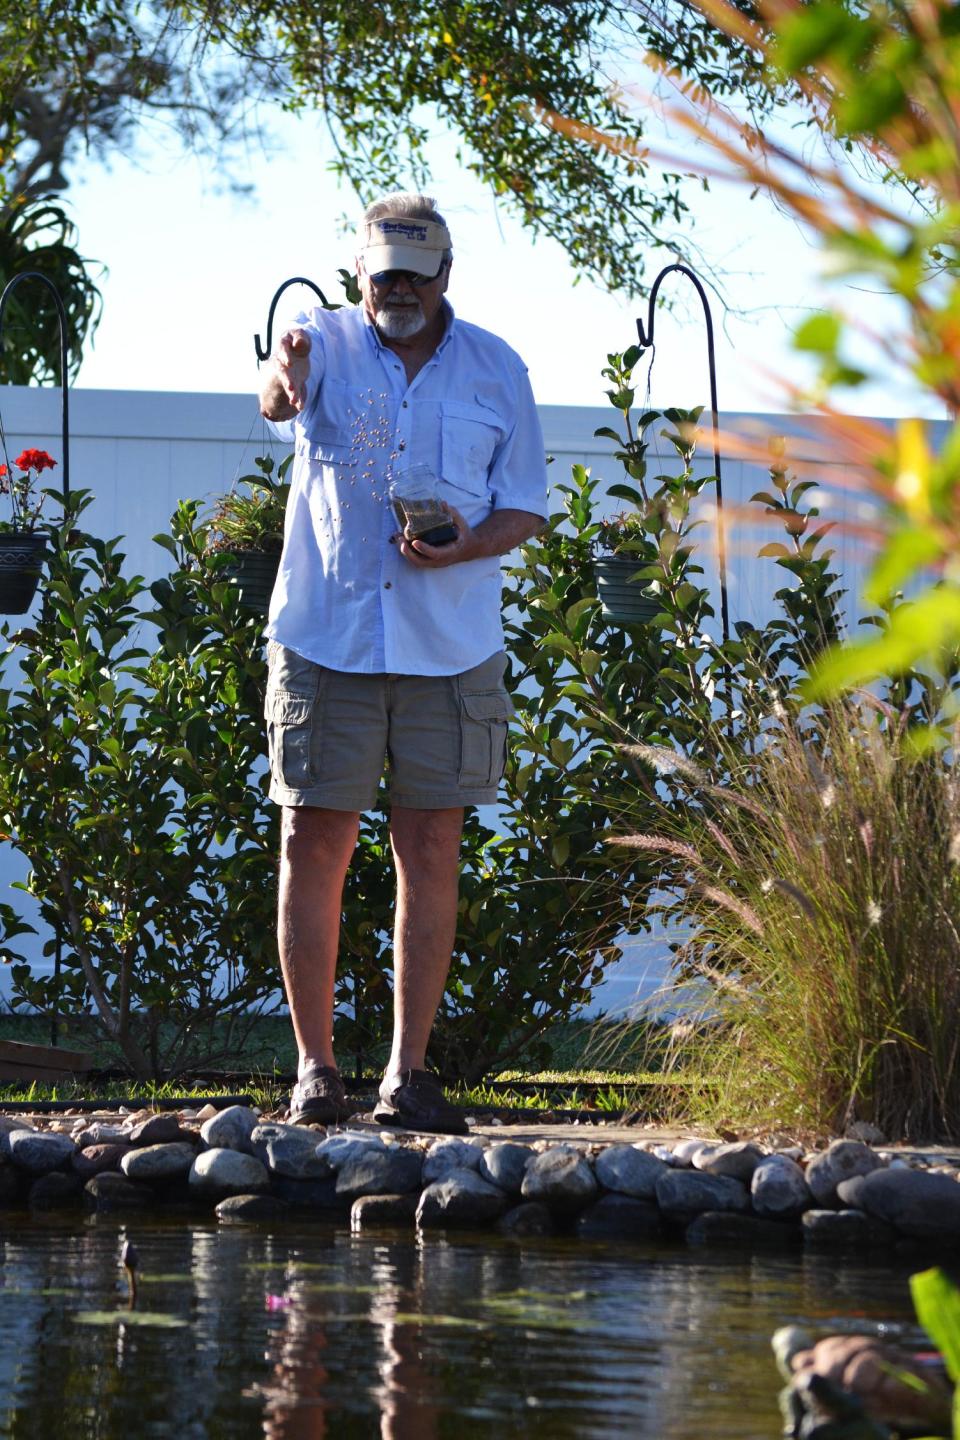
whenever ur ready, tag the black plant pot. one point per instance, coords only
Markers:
(622, 600)
(254, 572)
(21, 563)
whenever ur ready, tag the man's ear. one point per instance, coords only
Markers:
(446, 277)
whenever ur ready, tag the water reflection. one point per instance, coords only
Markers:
(298, 1334)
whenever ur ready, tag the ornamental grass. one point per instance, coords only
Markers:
(817, 900)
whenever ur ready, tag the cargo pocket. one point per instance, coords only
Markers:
(293, 722)
(484, 715)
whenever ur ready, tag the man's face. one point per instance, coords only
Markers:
(399, 309)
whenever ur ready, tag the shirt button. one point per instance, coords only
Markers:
(405, 406)
(402, 445)
(387, 584)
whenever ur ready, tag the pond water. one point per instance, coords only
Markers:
(298, 1333)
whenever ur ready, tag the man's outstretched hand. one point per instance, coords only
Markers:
(291, 361)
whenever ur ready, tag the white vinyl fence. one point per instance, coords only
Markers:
(140, 452)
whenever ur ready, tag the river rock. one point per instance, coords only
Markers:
(842, 1160)
(9, 1125)
(312, 1197)
(111, 1191)
(919, 1205)
(289, 1150)
(528, 1220)
(161, 1129)
(13, 1183)
(373, 1210)
(737, 1160)
(94, 1159)
(249, 1208)
(505, 1164)
(51, 1191)
(845, 1230)
(336, 1150)
(685, 1150)
(38, 1152)
(685, 1193)
(390, 1170)
(100, 1133)
(561, 1177)
(629, 1171)
(461, 1199)
(230, 1129)
(451, 1154)
(155, 1164)
(722, 1227)
(778, 1188)
(227, 1172)
(619, 1217)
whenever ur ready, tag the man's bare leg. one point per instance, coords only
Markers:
(315, 850)
(426, 849)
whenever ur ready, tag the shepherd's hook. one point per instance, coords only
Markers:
(263, 352)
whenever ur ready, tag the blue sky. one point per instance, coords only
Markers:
(192, 269)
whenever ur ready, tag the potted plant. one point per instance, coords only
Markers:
(244, 536)
(622, 548)
(22, 547)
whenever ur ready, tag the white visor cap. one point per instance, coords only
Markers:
(399, 243)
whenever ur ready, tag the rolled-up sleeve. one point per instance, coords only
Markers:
(518, 472)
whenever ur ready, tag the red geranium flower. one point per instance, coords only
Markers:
(37, 460)
(3, 471)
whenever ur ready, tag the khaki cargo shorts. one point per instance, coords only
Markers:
(442, 738)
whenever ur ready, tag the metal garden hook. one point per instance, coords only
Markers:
(646, 342)
(264, 352)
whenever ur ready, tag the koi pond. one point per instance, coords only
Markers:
(298, 1332)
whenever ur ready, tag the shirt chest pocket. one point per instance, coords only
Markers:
(469, 435)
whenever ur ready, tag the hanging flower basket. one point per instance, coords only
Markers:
(254, 572)
(21, 563)
(623, 600)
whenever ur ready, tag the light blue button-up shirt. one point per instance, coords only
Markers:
(345, 597)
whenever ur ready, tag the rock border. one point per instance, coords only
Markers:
(248, 1168)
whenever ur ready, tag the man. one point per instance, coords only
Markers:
(384, 644)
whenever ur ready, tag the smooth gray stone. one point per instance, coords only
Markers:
(619, 1217)
(778, 1188)
(314, 1196)
(685, 1193)
(13, 1184)
(373, 1210)
(918, 1205)
(737, 1160)
(111, 1191)
(38, 1152)
(449, 1154)
(561, 1177)
(391, 1170)
(530, 1219)
(289, 1150)
(685, 1150)
(154, 1164)
(227, 1172)
(8, 1127)
(230, 1129)
(96, 1158)
(100, 1133)
(336, 1150)
(247, 1209)
(629, 1171)
(53, 1190)
(461, 1199)
(161, 1129)
(842, 1160)
(504, 1164)
(845, 1230)
(721, 1227)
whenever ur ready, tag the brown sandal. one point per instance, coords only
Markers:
(417, 1101)
(319, 1097)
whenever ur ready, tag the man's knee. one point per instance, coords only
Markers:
(309, 834)
(426, 838)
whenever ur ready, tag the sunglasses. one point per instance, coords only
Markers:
(388, 277)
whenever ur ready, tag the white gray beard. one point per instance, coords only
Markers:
(400, 322)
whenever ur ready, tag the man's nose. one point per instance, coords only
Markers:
(402, 286)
